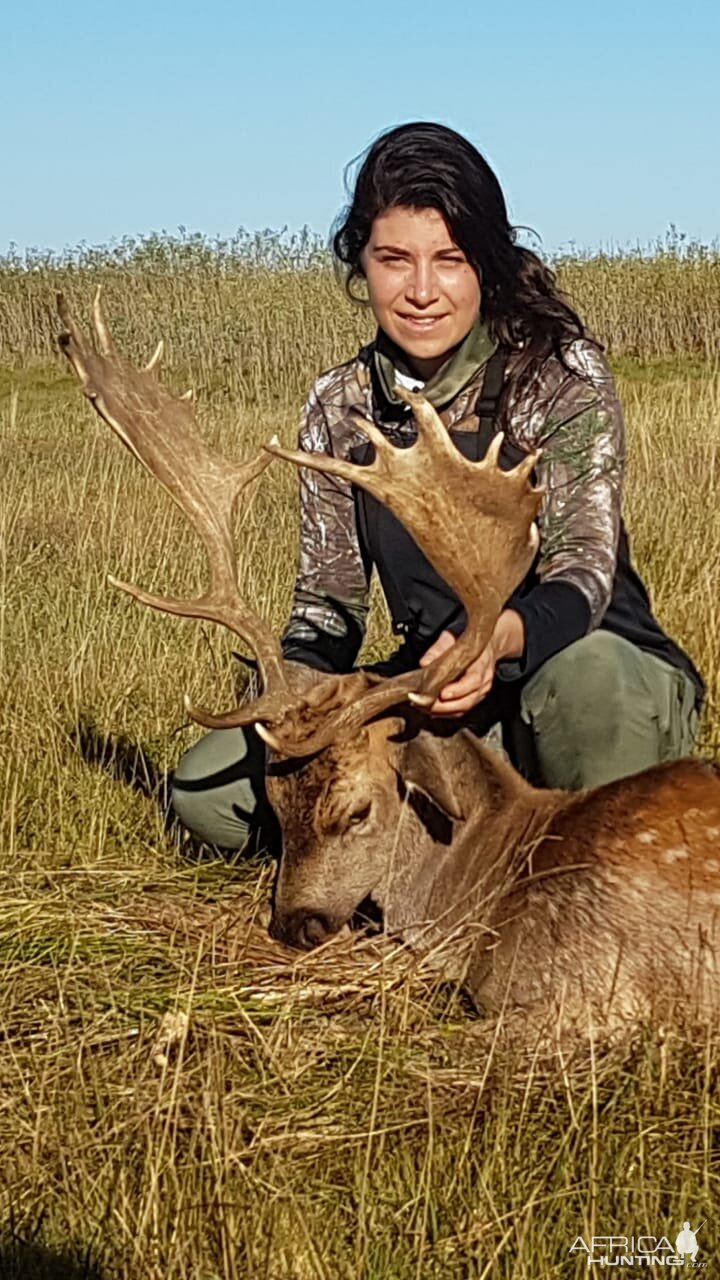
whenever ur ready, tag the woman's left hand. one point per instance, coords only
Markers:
(507, 641)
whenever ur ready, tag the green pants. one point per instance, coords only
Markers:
(599, 710)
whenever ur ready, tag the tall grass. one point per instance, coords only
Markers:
(179, 1097)
(258, 317)
(649, 304)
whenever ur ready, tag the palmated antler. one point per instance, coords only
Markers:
(160, 429)
(474, 522)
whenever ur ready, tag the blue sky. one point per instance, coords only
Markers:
(602, 121)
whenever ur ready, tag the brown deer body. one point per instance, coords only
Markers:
(599, 904)
(602, 903)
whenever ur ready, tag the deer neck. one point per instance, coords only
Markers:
(446, 881)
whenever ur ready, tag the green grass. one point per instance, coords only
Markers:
(333, 1115)
(659, 369)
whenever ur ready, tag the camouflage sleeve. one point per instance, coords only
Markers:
(330, 602)
(581, 469)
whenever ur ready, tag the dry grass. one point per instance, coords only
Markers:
(256, 318)
(179, 1097)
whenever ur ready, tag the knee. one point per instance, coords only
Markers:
(590, 677)
(213, 792)
(197, 813)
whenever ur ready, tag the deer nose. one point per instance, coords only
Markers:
(314, 930)
(304, 929)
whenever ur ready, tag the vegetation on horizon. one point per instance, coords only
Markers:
(258, 316)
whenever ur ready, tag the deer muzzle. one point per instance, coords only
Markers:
(303, 928)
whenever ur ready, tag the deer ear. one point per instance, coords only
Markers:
(424, 768)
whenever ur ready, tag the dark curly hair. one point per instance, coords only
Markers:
(425, 165)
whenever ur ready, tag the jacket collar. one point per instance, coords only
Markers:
(471, 356)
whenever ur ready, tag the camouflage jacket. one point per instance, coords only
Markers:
(568, 408)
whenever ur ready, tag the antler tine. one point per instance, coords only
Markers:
(431, 429)
(522, 472)
(380, 469)
(102, 333)
(72, 337)
(156, 357)
(474, 522)
(161, 431)
(492, 457)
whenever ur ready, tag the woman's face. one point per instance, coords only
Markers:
(423, 291)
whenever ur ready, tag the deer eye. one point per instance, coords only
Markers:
(360, 815)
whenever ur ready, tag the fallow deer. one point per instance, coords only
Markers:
(599, 904)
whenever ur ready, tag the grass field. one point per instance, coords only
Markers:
(178, 1096)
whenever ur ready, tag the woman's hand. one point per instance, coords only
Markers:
(507, 641)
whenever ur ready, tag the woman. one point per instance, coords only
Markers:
(586, 685)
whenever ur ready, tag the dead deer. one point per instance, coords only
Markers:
(599, 904)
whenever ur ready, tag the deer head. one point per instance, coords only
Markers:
(340, 765)
(374, 817)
